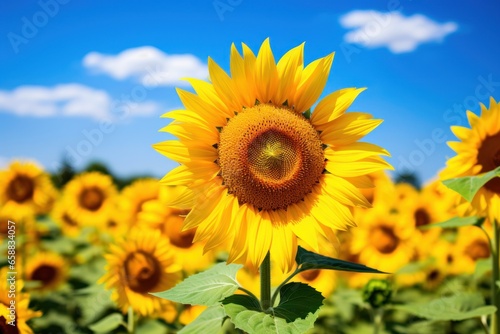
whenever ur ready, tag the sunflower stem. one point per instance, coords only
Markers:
(131, 320)
(495, 297)
(265, 283)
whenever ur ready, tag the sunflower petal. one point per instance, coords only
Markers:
(334, 105)
(266, 74)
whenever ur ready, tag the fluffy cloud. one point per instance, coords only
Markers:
(69, 100)
(150, 66)
(393, 30)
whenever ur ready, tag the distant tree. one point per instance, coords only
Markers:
(64, 173)
(408, 177)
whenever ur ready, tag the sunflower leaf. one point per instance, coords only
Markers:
(468, 186)
(206, 288)
(254, 322)
(308, 260)
(108, 324)
(458, 307)
(250, 303)
(209, 321)
(297, 300)
(456, 222)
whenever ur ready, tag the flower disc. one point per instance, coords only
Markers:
(270, 157)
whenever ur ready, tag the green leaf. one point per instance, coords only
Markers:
(209, 321)
(206, 288)
(107, 324)
(459, 307)
(248, 302)
(468, 186)
(482, 267)
(307, 114)
(309, 260)
(456, 222)
(297, 300)
(254, 322)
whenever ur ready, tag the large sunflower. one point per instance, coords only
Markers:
(26, 188)
(90, 197)
(142, 263)
(478, 151)
(264, 169)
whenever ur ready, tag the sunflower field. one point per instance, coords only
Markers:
(278, 218)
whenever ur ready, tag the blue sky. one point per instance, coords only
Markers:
(66, 65)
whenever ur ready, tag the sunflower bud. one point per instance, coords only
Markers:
(377, 292)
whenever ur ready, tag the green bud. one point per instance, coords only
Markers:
(377, 292)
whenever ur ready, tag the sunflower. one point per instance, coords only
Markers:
(61, 215)
(26, 188)
(142, 263)
(135, 195)
(264, 167)
(156, 215)
(49, 269)
(471, 245)
(478, 152)
(22, 313)
(383, 241)
(89, 198)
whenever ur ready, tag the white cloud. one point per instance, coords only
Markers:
(69, 100)
(393, 30)
(150, 66)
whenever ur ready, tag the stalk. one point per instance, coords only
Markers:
(265, 283)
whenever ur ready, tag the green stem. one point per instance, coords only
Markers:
(248, 292)
(495, 300)
(131, 320)
(377, 320)
(265, 283)
(277, 291)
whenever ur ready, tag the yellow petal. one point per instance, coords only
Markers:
(260, 234)
(206, 91)
(177, 151)
(266, 74)
(224, 86)
(183, 175)
(287, 70)
(238, 74)
(206, 111)
(334, 105)
(357, 168)
(284, 247)
(312, 83)
(343, 191)
(348, 128)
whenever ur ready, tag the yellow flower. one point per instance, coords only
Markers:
(19, 312)
(26, 188)
(135, 195)
(143, 262)
(383, 241)
(49, 269)
(478, 152)
(89, 198)
(471, 245)
(262, 171)
(156, 215)
(61, 215)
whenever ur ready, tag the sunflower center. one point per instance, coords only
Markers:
(173, 228)
(270, 157)
(5, 328)
(422, 218)
(310, 275)
(142, 272)
(45, 274)
(384, 239)
(488, 156)
(478, 249)
(91, 198)
(433, 275)
(68, 220)
(21, 188)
